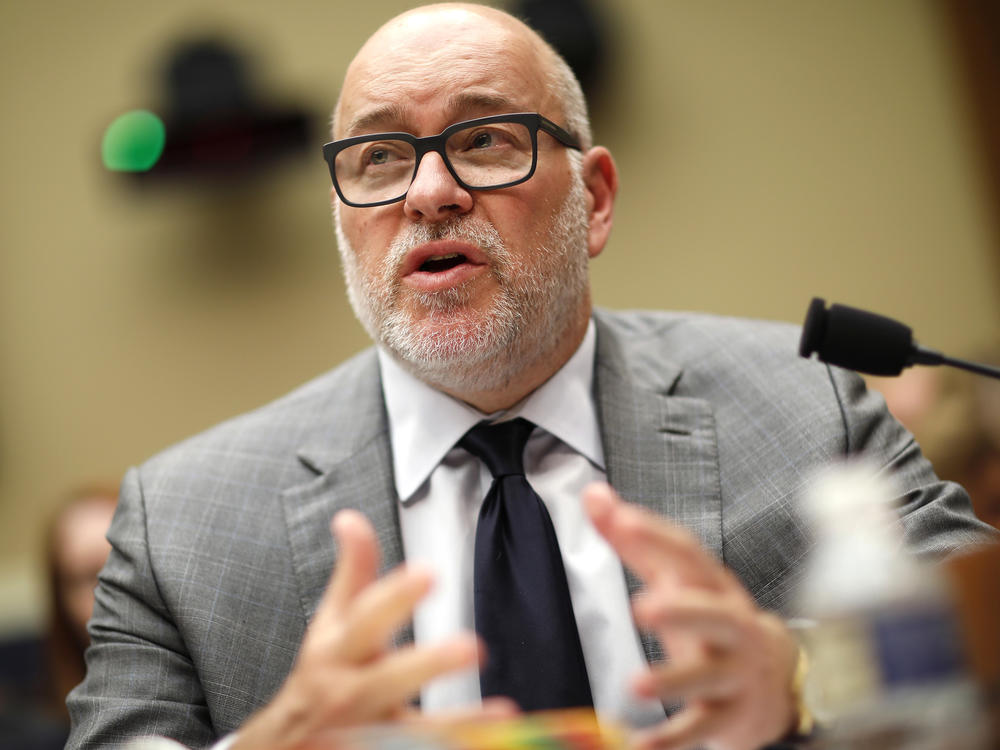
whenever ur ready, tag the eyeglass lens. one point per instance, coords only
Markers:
(482, 156)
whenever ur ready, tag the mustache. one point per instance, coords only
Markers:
(475, 231)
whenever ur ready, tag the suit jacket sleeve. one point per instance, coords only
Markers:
(936, 516)
(140, 678)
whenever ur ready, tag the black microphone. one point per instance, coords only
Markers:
(867, 342)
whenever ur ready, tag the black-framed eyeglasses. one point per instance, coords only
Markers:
(482, 154)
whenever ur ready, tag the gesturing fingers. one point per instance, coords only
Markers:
(358, 613)
(344, 674)
(397, 677)
(357, 563)
(380, 610)
(320, 698)
(652, 546)
(711, 678)
(708, 640)
(732, 663)
(717, 620)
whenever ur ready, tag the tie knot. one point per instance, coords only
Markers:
(499, 446)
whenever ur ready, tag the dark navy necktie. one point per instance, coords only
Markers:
(522, 605)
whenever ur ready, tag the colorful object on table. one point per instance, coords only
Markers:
(133, 142)
(574, 729)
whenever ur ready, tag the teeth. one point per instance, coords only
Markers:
(449, 256)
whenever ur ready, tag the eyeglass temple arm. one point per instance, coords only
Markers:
(564, 137)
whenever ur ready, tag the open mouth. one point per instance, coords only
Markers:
(438, 263)
(443, 264)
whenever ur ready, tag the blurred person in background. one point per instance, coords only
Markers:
(955, 416)
(33, 712)
(76, 550)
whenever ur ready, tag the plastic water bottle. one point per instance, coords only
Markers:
(887, 668)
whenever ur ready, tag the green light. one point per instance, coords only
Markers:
(133, 142)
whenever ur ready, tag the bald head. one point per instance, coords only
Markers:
(428, 44)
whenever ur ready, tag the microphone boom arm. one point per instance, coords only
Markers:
(871, 343)
(923, 356)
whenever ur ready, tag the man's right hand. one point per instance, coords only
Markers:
(346, 674)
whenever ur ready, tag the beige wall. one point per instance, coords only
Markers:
(769, 151)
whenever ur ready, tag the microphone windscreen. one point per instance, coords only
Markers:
(856, 339)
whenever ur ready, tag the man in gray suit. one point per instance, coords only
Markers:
(228, 608)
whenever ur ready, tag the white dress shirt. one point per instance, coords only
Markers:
(441, 488)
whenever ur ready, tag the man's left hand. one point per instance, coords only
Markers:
(729, 661)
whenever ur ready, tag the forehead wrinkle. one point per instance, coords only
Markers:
(461, 105)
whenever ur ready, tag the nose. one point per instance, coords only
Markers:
(434, 195)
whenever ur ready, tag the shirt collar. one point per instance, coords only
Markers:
(563, 406)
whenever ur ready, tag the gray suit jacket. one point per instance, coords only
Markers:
(221, 544)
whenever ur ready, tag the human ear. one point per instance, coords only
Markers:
(600, 178)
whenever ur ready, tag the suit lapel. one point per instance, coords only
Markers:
(660, 447)
(353, 468)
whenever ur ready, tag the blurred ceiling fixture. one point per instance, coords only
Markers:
(576, 32)
(217, 124)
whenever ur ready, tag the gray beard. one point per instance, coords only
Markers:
(464, 350)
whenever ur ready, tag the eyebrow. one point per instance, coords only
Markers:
(369, 120)
(462, 103)
(466, 101)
